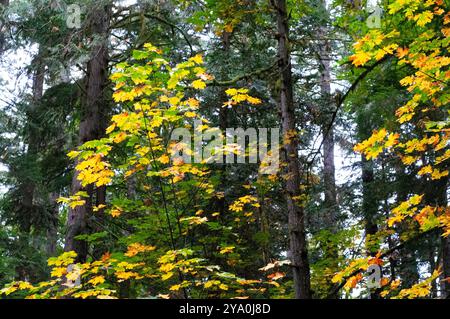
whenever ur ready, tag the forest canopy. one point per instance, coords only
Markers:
(218, 149)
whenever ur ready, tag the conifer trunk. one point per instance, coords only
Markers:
(91, 126)
(296, 218)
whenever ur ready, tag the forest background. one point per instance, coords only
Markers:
(95, 203)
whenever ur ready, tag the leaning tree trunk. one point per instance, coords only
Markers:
(91, 126)
(296, 220)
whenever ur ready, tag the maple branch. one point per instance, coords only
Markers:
(386, 253)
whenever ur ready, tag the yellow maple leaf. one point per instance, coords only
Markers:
(199, 84)
(190, 114)
(115, 212)
(58, 272)
(360, 58)
(423, 18)
(197, 59)
(226, 250)
(164, 159)
(97, 280)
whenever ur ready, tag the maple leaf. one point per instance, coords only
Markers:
(197, 59)
(376, 260)
(360, 58)
(167, 276)
(175, 287)
(276, 275)
(106, 256)
(402, 52)
(223, 287)
(164, 159)
(190, 114)
(97, 280)
(136, 248)
(58, 271)
(73, 154)
(227, 250)
(199, 84)
(353, 281)
(115, 212)
(424, 18)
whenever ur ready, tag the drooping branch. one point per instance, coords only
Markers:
(129, 20)
(240, 77)
(342, 98)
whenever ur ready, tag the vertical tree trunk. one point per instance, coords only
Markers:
(52, 230)
(330, 202)
(370, 203)
(3, 3)
(408, 268)
(296, 220)
(445, 242)
(330, 206)
(33, 137)
(28, 186)
(432, 263)
(436, 195)
(370, 210)
(92, 124)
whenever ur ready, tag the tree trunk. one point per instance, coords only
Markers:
(408, 268)
(436, 195)
(445, 242)
(329, 180)
(3, 3)
(369, 209)
(28, 186)
(432, 263)
(33, 136)
(52, 230)
(92, 125)
(296, 220)
(330, 206)
(370, 203)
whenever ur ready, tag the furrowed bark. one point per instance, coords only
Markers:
(91, 126)
(296, 220)
(370, 210)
